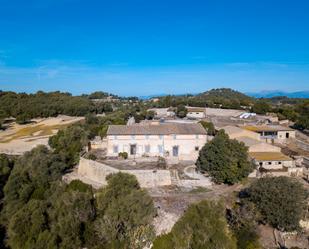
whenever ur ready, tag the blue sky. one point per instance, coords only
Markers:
(141, 47)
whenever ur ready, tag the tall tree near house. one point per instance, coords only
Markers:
(302, 122)
(181, 111)
(68, 143)
(224, 159)
(125, 212)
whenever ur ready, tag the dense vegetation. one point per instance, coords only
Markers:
(26, 106)
(280, 200)
(40, 211)
(221, 98)
(203, 225)
(224, 159)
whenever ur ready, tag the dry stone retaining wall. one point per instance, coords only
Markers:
(98, 172)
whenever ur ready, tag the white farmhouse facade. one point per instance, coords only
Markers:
(169, 140)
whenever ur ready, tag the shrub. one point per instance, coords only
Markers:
(202, 226)
(161, 163)
(123, 155)
(280, 200)
(79, 186)
(92, 157)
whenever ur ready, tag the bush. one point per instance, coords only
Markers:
(79, 186)
(123, 155)
(125, 212)
(161, 163)
(280, 200)
(92, 157)
(203, 225)
(226, 160)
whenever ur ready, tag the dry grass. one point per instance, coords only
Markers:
(32, 131)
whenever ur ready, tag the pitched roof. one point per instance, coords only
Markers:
(158, 129)
(195, 109)
(269, 156)
(248, 141)
(230, 129)
(257, 128)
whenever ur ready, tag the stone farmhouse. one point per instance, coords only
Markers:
(196, 112)
(272, 133)
(268, 158)
(179, 141)
(163, 112)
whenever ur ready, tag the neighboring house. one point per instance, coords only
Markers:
(257, 146)
(272, 133)
(170, 140)
(271, 160)
(163, 112)
(196, 112)
(268, 158)
(274, 164)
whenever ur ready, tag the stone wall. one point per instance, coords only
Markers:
(97, 172)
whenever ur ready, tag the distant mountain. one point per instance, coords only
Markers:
(277, 93)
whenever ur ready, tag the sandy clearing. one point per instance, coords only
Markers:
(17, 139)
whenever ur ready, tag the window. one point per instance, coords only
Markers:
(160, 149)
(115, 137)
(147, 148)
(161, 137)
(197, 148)
(147, 137)
(196, 136)
(133, 149)
(133, 137)
(269, 163)
(115, 148)
(174, 137)
(279, 162)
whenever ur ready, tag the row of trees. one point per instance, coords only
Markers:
(26, 106)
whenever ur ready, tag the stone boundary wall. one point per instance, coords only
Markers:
(98, 172)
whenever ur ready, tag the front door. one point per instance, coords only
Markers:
(175, 150)
(132, 149)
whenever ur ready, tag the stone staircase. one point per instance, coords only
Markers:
(174, 177)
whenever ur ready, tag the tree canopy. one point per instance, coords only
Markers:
(224, 159)
(203, 225)
(41, 211)
(280, 200)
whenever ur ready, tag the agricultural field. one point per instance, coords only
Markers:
(17, 139)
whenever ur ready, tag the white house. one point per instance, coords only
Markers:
(272, 133)
(196, 112)
(268, 158)
(170, 140)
